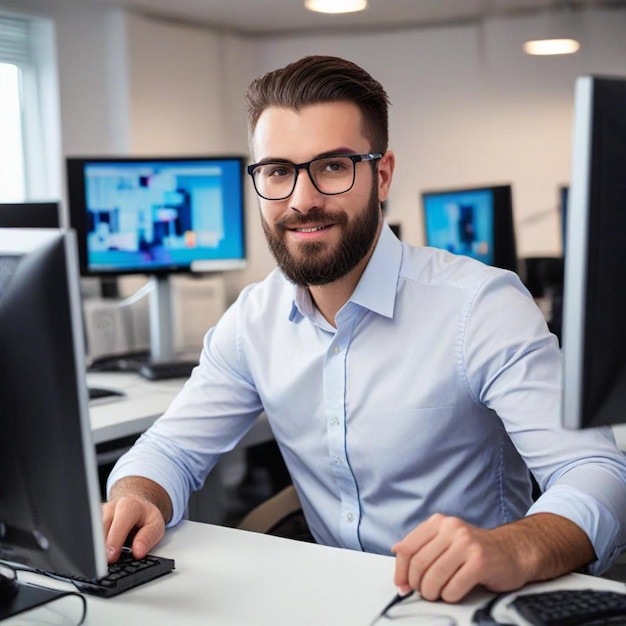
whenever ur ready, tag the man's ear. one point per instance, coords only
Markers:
(385, 174)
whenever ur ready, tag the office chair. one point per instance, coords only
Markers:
(281, 516)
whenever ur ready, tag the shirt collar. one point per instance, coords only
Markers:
(376, 289)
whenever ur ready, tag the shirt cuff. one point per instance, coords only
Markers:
(593, 517)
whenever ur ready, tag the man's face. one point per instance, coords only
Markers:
(317, 239)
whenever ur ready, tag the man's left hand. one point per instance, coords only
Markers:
(445, 557)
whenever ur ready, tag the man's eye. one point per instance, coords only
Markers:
(335, 166)
(277, 171)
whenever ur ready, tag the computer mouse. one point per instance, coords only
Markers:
(8, 583)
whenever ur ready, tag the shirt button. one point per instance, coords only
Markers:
(350, 517)
(336, 350)
(337, 460)
(335, 421)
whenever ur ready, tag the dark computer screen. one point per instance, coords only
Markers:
(30, 215)
(157, 215)
(594, 306)
(563, 195)
(473, 222)
(49, 495)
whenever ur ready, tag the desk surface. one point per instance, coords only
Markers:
(230, 577)
(144, 401)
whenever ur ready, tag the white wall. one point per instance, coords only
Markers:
(468, 107)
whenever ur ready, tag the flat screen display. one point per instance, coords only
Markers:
(473, 222)
(157, 215)
(594, 305)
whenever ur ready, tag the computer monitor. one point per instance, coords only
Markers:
(475, 222)
(563, 196)
(158, 216)
(594, 317)
(50, 515)
(30, 215)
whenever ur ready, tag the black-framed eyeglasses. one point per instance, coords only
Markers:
(331, 175)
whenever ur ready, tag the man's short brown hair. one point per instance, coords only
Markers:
(320, 79)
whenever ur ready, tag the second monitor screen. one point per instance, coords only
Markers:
(474, 222)
(150, 215)
(461, 222)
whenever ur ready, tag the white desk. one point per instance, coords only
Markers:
(228, 577)
(144, 401)
(119, 417)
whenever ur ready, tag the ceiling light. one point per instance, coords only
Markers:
(551, 46)
(335, 6)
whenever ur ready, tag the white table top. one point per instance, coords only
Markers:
(144, 401)
(229, 577)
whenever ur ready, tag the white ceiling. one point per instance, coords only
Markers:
(264, 17)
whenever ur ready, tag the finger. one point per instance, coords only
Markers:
(444, 562)
(460, 583)
(148, 536)
(406, 549)
(127, 514)
(107, 517)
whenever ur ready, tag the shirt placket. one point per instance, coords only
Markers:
(335, 377)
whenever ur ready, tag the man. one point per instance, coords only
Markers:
(409, 390)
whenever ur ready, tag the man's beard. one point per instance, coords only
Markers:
(318, 263)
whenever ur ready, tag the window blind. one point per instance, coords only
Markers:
(14, 40)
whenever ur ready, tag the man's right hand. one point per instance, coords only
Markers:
(136, 505)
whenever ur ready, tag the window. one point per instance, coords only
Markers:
(29, 120)
(11, 152)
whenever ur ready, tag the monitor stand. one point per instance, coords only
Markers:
(161, 320)
(162, 361)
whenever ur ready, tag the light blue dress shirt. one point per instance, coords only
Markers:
(440, 384)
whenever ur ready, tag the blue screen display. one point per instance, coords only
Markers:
(461, 222)
(155, 214)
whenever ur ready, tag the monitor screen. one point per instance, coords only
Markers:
(594, 315)
(473, 222)
(50, 515)
(157, 215)
(30, 215)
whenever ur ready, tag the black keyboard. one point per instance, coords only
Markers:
(167, 369)
(126, 574)
(573, 607)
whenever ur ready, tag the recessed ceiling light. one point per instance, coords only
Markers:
(335, 6)
(551, 46)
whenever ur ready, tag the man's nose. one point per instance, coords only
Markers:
(305, 195)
